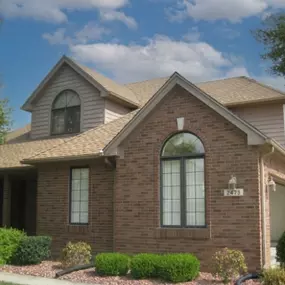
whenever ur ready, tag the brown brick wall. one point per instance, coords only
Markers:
(53, 206)
(231, 221)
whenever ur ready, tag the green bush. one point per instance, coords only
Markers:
(112, 264)
(273, 276)
(78, 253)
(9, 242)
(280, 250)
(178, 267)
(145, 265)
(228, 264)
(32, 250)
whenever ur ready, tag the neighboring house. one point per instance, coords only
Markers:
(142, 167)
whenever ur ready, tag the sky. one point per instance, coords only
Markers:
(131, 40)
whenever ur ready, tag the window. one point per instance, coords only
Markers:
(182, 182)
(66, 113)
(79, 192)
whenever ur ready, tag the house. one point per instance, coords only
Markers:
(145, 167)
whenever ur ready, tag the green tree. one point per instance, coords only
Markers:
(5, 113)
(5, 119)
(272, 36)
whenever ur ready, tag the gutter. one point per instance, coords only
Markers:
(263, 202)
(62, 158)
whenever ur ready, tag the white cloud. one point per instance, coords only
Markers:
(160, 56)
(90, 32)
(112, 15)
(193, 35)
(58, 37)
(53, 10)
(232, 10)
(237, 71)
(276, 82)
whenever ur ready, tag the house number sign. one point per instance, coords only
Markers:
(233, 192)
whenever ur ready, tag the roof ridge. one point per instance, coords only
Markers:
(222, 79)
(264, 85)
(136, 82)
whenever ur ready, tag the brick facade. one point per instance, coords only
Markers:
(53, 206)
(124, 210)
(231, 221)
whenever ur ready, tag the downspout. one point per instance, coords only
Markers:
(263, 203)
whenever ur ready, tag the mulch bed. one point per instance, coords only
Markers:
(49, 269)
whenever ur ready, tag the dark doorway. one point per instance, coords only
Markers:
(24, 203)
(18, 204)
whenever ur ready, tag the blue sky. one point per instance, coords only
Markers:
(130, 40)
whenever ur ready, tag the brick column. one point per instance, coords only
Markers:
(6, 201)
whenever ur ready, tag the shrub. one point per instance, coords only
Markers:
(273, 276)
(178, 267)
(228, 264)
(32, 250)
(9, 242)
(112, 264)
(280, 250)
(78, 253)
(145, 265)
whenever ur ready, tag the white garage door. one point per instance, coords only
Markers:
(277, 212)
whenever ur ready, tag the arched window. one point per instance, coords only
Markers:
(66, 113)
(183, 182)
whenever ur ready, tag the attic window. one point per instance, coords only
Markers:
(66, 113)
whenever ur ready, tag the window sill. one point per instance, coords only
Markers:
(78, 228)
(175, 233)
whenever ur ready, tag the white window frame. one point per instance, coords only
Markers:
(79, 195)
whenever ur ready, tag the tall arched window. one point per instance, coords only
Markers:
(66, 113)
(183, 182)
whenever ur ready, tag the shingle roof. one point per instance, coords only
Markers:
(12, 154)
(146, 89)
(87, 144)
(114, 88)
(240, 90)
(230, 91)
(18, 135)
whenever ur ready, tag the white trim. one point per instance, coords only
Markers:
(254, 137)
(180, 123)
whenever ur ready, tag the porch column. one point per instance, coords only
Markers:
(6, 201)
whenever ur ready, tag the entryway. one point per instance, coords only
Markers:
(277, 218)
(277, 213)
(23, 203)
(18, 200)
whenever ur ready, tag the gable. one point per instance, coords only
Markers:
(201, 120)
(106, 86)
(254, 137)
(92, 104)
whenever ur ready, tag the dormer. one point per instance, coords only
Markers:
(73, 98)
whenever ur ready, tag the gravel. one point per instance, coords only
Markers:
(45, 269)
(49, 269)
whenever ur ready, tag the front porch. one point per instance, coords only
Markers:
(18, 196)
